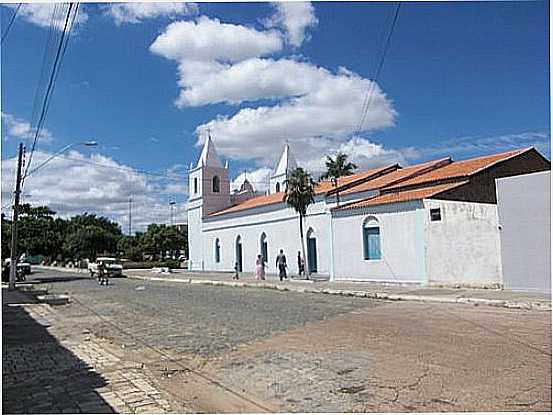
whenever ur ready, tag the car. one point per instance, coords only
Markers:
(23, 268)
(114, 268)
(22, 265)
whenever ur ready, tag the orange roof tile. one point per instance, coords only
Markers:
(320, 187)
(401, 196)
(398, 176)
(460, 169)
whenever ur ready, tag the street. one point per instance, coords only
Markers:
(194, 348)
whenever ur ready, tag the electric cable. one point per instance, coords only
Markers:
(8, 27)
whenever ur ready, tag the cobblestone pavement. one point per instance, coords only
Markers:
(220, 349)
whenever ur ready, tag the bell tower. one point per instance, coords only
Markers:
(285, 166)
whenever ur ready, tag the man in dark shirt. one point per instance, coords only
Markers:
(281, 265)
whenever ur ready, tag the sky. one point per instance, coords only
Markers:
(147, 81)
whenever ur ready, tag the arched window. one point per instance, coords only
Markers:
(371, 239)
(217, 251)
(264, 247)
(195, 185)
(216, 184)
(277, 187)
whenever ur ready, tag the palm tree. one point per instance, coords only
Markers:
(299, 194)
(336, 168)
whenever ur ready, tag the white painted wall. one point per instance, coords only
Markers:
(524, 208)
(463, 248)
(402, 244)
(280, 224)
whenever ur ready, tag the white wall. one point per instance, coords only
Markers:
(463, 248)
(280, 224)
(524, 208)
(402, 244)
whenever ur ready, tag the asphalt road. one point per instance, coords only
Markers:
(321, 353)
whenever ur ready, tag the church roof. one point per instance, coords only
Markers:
(209, 157)
(287, 162)
(394, 183)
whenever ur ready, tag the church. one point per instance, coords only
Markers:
(429, 223)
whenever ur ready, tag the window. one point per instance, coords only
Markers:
(277, 187)
(217, 251)
(371, 240)
(195, 185)
(216, 184)
(435, 215)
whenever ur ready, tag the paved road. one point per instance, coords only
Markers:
(284, 351)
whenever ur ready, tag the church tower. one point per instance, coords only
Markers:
(209, 191)
(285, 166)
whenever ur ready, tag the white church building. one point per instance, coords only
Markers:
(430, 223)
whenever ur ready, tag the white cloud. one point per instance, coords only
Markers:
(295, 18)
(47, 14)
(75, 184)
(19, 128)
(208, 40)
(259, 179)
(137, 12)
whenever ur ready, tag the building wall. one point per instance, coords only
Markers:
(463, 247)
(482, 185)
(281, 226)
(524, 208)
(401, 238)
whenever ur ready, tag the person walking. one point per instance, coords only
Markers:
(259, 268)
(236, 273)
(301, 265)
(281, 265)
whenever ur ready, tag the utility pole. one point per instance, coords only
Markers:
(13, 262)
(172, 204)
(130, 215)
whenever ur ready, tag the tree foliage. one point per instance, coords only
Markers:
(299, 194)
(338, 167)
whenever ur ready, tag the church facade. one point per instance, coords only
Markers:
(434, 222)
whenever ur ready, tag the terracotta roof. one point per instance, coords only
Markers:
(397, 176)
(321, 187)
(460, 169)
(401, 196)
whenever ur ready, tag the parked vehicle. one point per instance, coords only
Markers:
(23, 269)
(113, 267)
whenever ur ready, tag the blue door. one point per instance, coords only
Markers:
(312, 254)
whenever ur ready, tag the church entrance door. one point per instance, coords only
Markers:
(239, 253)
(312, 254)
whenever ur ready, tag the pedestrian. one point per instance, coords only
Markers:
(235, 276)
(281, 265)
(301, 265)
(260, 268)
(102, 273)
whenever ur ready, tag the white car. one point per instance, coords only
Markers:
(114, 268)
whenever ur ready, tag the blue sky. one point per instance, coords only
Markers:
(459, 79)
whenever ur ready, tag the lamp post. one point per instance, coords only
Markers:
(63, 150)
(172, 205)
(17, 194)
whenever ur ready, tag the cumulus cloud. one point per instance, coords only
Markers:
(48, 14)
(315, 109)
(18, 128)
(207, 40)
(295, 18)
(75, 184)
(137, 12)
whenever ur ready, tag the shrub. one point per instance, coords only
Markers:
(151, 264)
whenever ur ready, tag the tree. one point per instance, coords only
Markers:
(159, 239)
(39, 232)
(299, 195)
(87, 235)
(336, 168)
(6, 237)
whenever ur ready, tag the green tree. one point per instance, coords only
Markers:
(6, 237)
(338, 167)
(39, 233)
(89, 235)
(299, 195)
(160, 239)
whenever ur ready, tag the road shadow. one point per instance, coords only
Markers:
(39, 375)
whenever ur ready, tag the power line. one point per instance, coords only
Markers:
(8, 27)
(372, 88)
(51, 82)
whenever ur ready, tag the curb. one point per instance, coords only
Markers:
(526, 305)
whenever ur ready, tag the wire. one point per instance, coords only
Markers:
(373, 86)
(49, 89)
(8, 27)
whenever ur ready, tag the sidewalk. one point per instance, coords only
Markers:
(490, 297)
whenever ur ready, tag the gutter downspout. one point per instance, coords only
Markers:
(332, 276)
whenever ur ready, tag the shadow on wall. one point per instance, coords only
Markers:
(40, 375)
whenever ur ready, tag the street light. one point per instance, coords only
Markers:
(172, 204)
(18, 184)
(63, 150)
